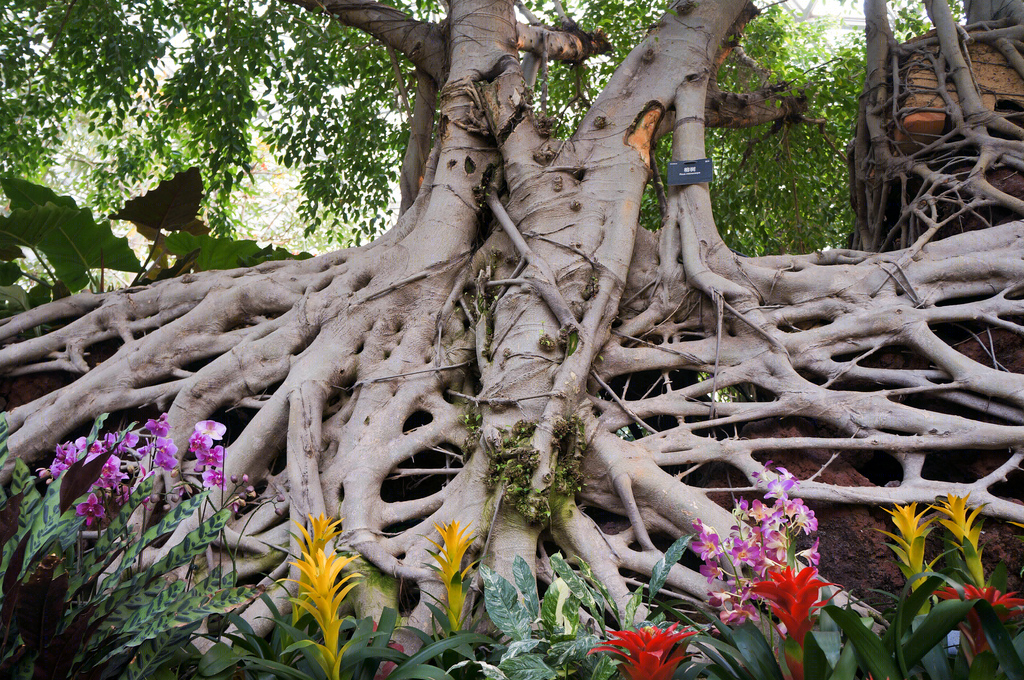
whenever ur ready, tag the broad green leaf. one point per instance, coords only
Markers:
(830, 644)
(528, 668)
(871, 655)
(214, 253)
(216, 659)
(1010, 661)
(517, 647)
(15, 297)
(984, 667)
(489, 672)
(9, 273)
(665, 564)
(755, 650)
(414, 666)
(193, 545)
(936, 663)
(577, 586)
(816, 664)
(113, 539)
(526, 582)
(574, 650)
(557, 600)
(603, 669)
(933, 629)
(172, 204)
(725, 657)
(25, 194)
(601, 594)
(503, 606)
(173, 608)
(69, 238)
(629, 616)
(47, 521)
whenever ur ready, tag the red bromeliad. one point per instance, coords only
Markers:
(646, 652)
(1006, 607)
(794, 601)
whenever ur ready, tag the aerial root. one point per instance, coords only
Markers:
(624, 488)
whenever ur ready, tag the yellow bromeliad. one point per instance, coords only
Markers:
(321, 591)
(451, 549)
(322, 531)
(965, 532)
(909, 548)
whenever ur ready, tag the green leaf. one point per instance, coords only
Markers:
(527, 585)
(816, 664)
(173, 607)
(25, 195)
(984, 667)
(517, 647)
(750, 642)
(1003, 648)
(47, 521)
(933, 629)
(192, 546)
(578, 587)
(871, 655)
(172, 204)
(629, 616)
(216, 659)
(830, 644)
(166, 525)
(603, 669)
(214, 253)
(527, 668)
(489, 672)
(4, 432)
(936, 663)
(574, 650)
(549, 609)
(663, 566)
(412, 667)
(15, 297)
(113, 539)
(69, 238)
(153, 652)
(572, 343)
(503, 606)
(9, 273)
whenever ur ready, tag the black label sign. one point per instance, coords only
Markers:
(690, 172)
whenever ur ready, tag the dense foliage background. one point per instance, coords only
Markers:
(299, 124)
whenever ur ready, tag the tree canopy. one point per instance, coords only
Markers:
(112, 97)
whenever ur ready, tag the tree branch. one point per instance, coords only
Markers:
(422, 42)
(732, 110)
(570, 44)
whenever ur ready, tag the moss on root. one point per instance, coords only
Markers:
(571, 440)
(512, 466)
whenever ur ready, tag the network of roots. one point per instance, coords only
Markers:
(878, 377)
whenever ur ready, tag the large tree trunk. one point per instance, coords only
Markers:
(480, 361)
